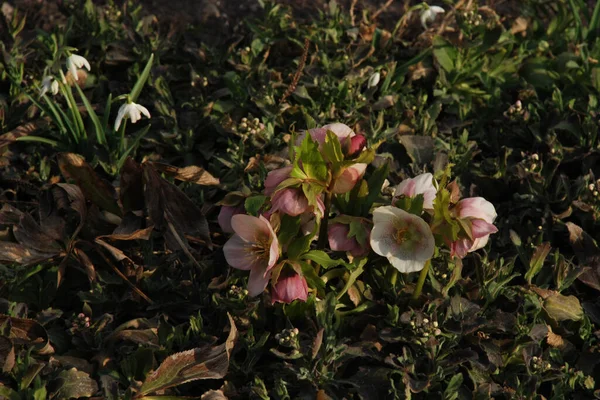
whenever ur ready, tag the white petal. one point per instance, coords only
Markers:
(134, 113)
(142, 109)
(72, 68)
(120, 116)
(54, 87)
(407, 266)
(382, 239)
(342, 131)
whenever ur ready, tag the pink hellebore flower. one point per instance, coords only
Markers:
(290, 286)
(254, 247)
(291, 201)
(225, 215)
(405, 239)
(481, 215)
(339, 240)
(357, 144)
(420, 184)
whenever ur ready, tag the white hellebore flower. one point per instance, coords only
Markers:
(75, 62)
(133, 111)
(374, 80)
(49, 84)
(405, 239)
(420, 184)
(429, 14)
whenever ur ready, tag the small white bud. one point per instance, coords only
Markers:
(374, 80)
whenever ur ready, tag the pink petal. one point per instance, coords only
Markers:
(289, 287)
(420, 184)
(273, 250)
(476, 207)
(346, 181)
(338, 238)
(342, 131)
(274, 178)
(357, 144)
(250, 228)
(289, 201)
(257, 281)
(239, 255)
(225, 215)
(317, 134)
(460, 248)
(480, 228)
(479, 243)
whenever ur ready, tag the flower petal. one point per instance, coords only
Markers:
(257, 281)
(239, 255)
(142, 109)
(346, 181)
(274, 178)
(120, 116)
(337, 235)
(481, 228)
(250, 228)
(289, 201)
(225, 215)
(476, 207)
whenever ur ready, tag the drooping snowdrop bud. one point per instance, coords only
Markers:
(75, 62)
(132, 111)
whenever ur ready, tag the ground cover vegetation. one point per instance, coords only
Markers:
(274, 200)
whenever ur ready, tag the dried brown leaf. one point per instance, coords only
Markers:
(7, 354)
(190, 365)
(73, 384)
(588, 254)
(27, 332)
(192, 173)
(74, 167)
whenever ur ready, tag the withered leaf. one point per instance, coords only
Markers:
(192, 174)
(17, 253)
(76, 202)
(73, 384)
(190, 365)
(588, 254)
(562, 308)
(213, 395)
(168, 205)
(72, 362)
(131, 186)
(20, 131)
(30, 234)
(7, 354)
(88, 267)
(419, 148)
(27, 332)
(74, 167)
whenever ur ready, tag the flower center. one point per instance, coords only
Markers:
(401, 235)
(261, 247)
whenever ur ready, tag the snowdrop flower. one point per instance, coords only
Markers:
(374, 80)
(133, 111)
(405, 239)
(420, 184)
(75, 62)
(480, 214)
(254, 247)
(429, 14)
(49, 84)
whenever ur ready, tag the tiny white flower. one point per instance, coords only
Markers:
(429, 14)
(374, 80)
(405, 239)
(49, 84)
(132, 111)
(74, 62)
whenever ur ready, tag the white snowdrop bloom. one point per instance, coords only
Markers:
(132, 111)
(49, 84)
(405, 239)
(374, 79)
(429, 14)
(75, 62)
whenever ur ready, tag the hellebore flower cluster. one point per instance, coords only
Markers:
(321, 198)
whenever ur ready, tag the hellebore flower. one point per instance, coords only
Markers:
(290, 201)
(405, 239)
(337, 234)
(429, 14)
(480, 214)
(346, 181)
(49, 84)
(75, 62)
(225, 215)
(290, 286)
(132, 111)
(357, 144)
(420, 184)
(254, 247)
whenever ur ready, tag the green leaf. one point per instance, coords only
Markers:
(357, 230)
(137, 88)
(288, 229)
(74, 384)
(444, 226)
(375, 182)
(100, 134)
(353, 277)
(451, 392)
(537, 261)
(254, 203)
(313, 163)
(299, 246)
(445, 53)
(38, 139)
(313, 280)
(332, 148)
(563, 308)
(322, 259)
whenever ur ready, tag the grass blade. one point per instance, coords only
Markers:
(137, 88)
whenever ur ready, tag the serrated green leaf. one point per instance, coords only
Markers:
(254, 203)
(313, 163)
(322, 259)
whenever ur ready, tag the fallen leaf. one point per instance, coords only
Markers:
(7, 354)
(192, 174)
(419, 148)
(73, 384)
(190, 365)
(588, 254)
(563, 308)
(74, 167)
(27, 332)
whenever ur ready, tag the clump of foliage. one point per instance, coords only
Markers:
(295, 143)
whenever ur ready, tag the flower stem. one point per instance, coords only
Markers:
(421, 280)
(393, 276)
(324, 222)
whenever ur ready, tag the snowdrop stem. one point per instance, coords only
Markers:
(421, 280)
(122, 135)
